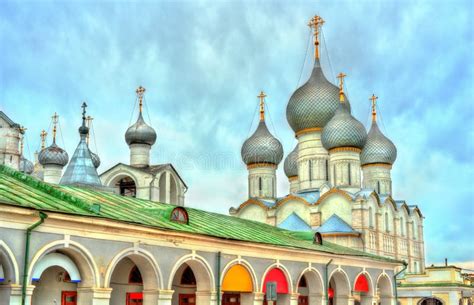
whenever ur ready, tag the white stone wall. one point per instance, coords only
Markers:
(294, 184)
(9, 145)
(296, 207)
(344, 170)
(312, 161)
(378, 178)
(262, 182)
(52, 173)
(140, 155)
(253, 212)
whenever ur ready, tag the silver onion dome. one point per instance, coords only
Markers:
(26, 166)
(378, 148)
(343, 130)
(95, 159)
(262, 147)
(291, 166)
(53, 155)
(140, 133)
(313, 104)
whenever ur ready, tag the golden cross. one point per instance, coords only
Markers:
(341, 76)
(43, 135)
(140, 91)
(88, 124)
(55, 118)
(315, 23)
(262, 96)
(374, 98)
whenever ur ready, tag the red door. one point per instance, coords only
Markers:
(134, 298)
(303, 300)
(68, 298)
(187, 299)
(231, 299)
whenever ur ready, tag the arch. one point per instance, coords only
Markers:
(384, 289)
(283, 271)
(252, 201)
(243, 264)
(430, 301)
(313, 278)
(340, 283)
(149, 269)
(9, 264)
(162, 187)
(82, 258)
(201, 269)
(291, 197)
(331, 192)
(117, 181)
(369, 280)
(60, 260)
(120, 174)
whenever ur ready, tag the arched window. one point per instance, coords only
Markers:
(179, 214)
(349, 173)
(310, 168)
(378, 187)
(188, 277)
(327, 170)
(371, 218)
(135, 277)
(127, 187)
(260, 183)
(387, 226)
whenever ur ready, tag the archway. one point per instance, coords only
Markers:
(134, 278)
(173, 190)
(339, 288)
(8, 272)
(430, 301)
(237, 285)
(192, 282)
(362, 291)
(125, 186)
(279, 277)
(310, 288)
(384, 290)
(162, 186)
(58, 271)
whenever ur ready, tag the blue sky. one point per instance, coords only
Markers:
(204, 62)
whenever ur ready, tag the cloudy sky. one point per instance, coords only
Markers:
(203, 63)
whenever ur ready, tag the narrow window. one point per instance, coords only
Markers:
(349, 173)
(378, 187)
(259, 183)
(386, 223)
(327, 170)
(371, 218)
(334, 174)
(310, 168)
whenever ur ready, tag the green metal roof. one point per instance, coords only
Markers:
(18, 189)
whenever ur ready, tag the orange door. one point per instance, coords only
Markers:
(303, 300)
(231, 299)
(187, 299)
(134, 298)
(68, 298)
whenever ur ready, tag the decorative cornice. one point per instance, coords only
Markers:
(345, 148)
(307, 130)
(252, 201)
(289, 198)
(340, 234)
(256, 165)
(332, 192)
(389, 166)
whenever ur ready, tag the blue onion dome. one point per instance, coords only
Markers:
(140, 133)
(262, 147)
(26, 166)
(313, 104)
(95, 159)
(378, 148)
(291, 166)
(343, 130)
(53, 155)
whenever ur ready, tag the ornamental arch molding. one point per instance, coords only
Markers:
(246, 265)
(118, 174)
(313, 278)
(285, 272)
(369, 279)
(82, 258)
(201, 269)
(387, 285)
(146, 263)
(11, 273)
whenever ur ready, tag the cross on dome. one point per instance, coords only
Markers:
(316, 23)
(374, 99)
(341, 76)
(140, 91)
(43, 135)
(262, 96)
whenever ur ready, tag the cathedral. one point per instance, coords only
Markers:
(72, 236)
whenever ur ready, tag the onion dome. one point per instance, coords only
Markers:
(291, 165)
(140, 132)
(53, 155)
(95, 159)
(343, 130)
(313, 104)
(262, 146)
(26, 166)
(378, 148)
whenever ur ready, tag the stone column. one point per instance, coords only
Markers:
(294, 298)
(168, 187)
(164, 297)
(255, 298)
(206, 298)
(14, 291)
(93, 296)
(316, 299)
